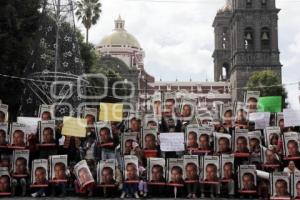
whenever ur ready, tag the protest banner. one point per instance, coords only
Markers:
(270, 104)
(111, 112)
(261, 119)
(74, 127)
(30, 122)
(291, 117)
(172, 141)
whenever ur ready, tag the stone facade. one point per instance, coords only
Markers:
(246, 41)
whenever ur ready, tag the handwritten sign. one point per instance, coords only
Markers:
(30, 122)
(291, 117)
(171, 141)
(261, 119)
(74, 127)
(111, 112)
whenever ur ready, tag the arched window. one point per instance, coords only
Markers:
(225, 71)
(264, 3)
(265, 38)
(248, 38)
(248, 3)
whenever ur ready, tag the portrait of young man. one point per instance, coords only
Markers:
(176, 175)
(107, 176)
(204, 142)
(21, 166)
(131, 172)
(248, 181)
(46, 115)
(157, 173)
(105, 136)
(40, 176)
(18, 138)
(150, 142)
(191, 172)
(192, 140)
(293, 149)
(281, 188)
(241, 145)
(4, 183)
(224, 145)
(3, 141)
(48, 136)
(228, 171)
(211, 171)
(59, 171)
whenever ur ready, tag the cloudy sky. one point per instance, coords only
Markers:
(178, 39)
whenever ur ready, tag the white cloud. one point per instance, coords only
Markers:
(178, 38)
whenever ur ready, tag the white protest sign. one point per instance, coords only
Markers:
(30, 122)
(261, 119)
(291, 117)
(171, 141)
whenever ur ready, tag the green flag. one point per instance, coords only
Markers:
(270, 104)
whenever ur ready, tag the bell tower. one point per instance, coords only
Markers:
(254, 27)
(253, 33)
(222, 50)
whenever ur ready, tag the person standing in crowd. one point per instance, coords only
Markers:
(192, 180)
(130, 186)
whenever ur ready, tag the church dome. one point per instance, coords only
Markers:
(120, 36)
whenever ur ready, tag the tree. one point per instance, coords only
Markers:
(88, 53)
(268, 83)
(88, 11)
(19, 23)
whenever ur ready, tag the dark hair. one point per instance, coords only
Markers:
(228, 163)
(160, 168)
(173, 100)
(46, 112)
(281, 181)
(150, 135)
(22, 160)
(241, 138)
(50, 129)
(2, 114)
(40, 168)
(90, 115)
(105, 129)
(18, 130)
(292, 142)
(177, 168)
(60, 164)
(211, 165)
(2, 131)
(6, 177)
(191, 164)
(131, 164)
(135, 119)
(194, 134)
(224, 138)
(204, 135)
(228, 111)
(249, 174)
(252, 99)
(109, 169)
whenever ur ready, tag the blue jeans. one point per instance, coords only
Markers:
(130, 188)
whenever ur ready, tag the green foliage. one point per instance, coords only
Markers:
(268, 83)
(87, 52)
(19, 21)
(108, 67)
